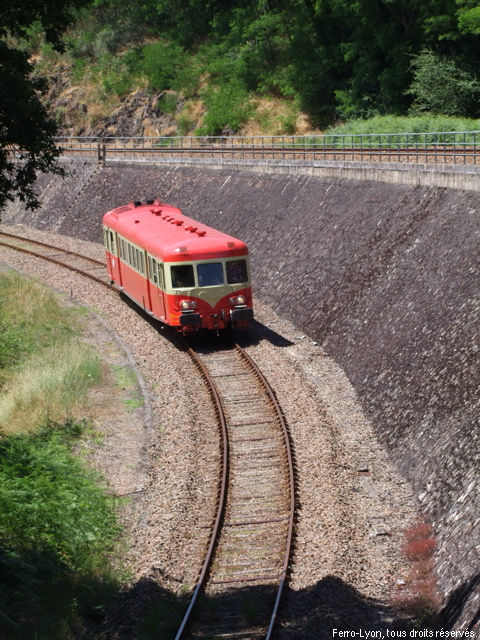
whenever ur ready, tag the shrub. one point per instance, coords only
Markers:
(160, 62)
(419, 598)
(441, 86)
(58, 530)
(228, 108)
(167, 103)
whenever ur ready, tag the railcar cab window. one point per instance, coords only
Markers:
(182, 276)
(210, 274)
(236, 271)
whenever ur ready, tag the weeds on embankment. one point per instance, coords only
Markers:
(419, 598)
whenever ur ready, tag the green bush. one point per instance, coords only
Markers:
(167, 103)
(184, 125)
(58, 530)
(228, 108)
(441, 86)
(161, 62)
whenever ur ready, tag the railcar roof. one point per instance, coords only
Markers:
(165, 232)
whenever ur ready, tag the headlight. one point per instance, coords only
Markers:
(237, 300)
(186, 305)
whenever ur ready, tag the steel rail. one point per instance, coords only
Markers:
(291, 473)
(59, 262)
(222, 491)
(51, 246)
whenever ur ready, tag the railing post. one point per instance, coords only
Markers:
(101, 151)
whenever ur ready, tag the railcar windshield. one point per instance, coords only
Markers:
(210, 274)
(236, 271)
(182, 276)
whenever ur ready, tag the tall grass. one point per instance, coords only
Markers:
(425, 123)
(50, 384)
(45, 369)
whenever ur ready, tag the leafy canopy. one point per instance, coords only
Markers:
(27, 130)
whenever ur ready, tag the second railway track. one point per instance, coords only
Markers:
(252, 533)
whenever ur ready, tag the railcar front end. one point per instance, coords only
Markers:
(209, 294)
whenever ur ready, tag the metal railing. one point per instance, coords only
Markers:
(460, 147)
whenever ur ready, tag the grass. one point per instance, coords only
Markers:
(58, 526)
(126, 379)
(58, 530)
(51, 384)
(45, 369)
(427, 123)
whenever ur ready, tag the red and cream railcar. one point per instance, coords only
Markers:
(182, 272)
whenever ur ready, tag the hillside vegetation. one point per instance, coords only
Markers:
(209, 67)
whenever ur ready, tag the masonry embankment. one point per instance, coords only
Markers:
(384, 276)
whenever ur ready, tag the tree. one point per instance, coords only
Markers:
(27, 130)
(440, 86)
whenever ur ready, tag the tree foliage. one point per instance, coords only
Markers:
(440, 86)
(334, 59)
(337, 57)
(27, 130)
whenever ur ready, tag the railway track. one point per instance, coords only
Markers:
(251, 535)
(408, 148)
(86, 266)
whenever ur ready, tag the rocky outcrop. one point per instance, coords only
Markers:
(137, 115)
(81, 113)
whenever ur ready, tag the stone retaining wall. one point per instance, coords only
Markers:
(384, 276)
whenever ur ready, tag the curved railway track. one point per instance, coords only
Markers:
(252, 532)
(86, 266)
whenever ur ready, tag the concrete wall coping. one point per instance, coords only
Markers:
(449, 176)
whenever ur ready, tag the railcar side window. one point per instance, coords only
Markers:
(160, 274)
(155, 271)
(182, 276)
(237, 271)
(112, 243)
(210, 274)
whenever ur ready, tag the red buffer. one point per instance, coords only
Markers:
(182, 272)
